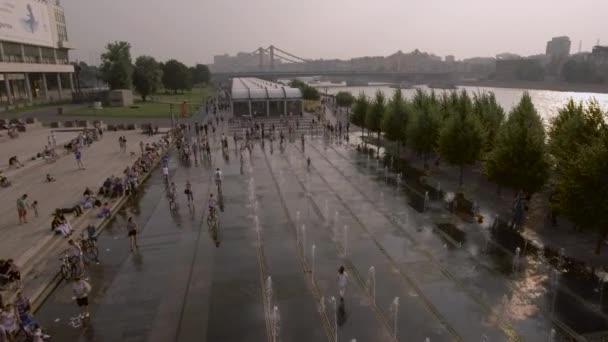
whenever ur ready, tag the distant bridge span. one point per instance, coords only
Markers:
(348, 73)
(299, 67)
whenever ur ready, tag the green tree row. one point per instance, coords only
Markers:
(147, 75)
(513, 148)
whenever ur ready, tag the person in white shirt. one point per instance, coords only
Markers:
(218, 177)
(342, 282)
(81, 290)
(166, 172)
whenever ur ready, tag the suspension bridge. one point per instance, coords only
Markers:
(273, 62)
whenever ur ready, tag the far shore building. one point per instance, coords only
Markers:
(257, 98)
(34, 45)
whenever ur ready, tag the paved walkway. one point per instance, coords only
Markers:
(181, 287)
(29, 143)
(577, 245)
(32, 245)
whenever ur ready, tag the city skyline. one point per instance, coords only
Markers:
(194, 32)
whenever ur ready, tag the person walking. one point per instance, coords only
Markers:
(195, 151)
(342, 282)
(188, 193)
(81, 289)
(22, 207)
(78, 156)
(132, 234)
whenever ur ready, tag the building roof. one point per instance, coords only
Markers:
(250, 88)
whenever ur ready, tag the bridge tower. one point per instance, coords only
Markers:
(271, 48)
(261, 56)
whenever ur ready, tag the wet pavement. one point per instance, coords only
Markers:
(284, 233)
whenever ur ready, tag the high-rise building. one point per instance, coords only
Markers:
(558, 48)
(34, 45)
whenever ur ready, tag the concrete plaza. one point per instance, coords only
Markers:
(33, 246)
(181, 287)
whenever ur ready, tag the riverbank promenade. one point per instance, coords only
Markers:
(33, 246)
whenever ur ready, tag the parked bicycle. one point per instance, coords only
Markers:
(89, 248)
(68, 268)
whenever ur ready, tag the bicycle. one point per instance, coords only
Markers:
(68, 268)
(89, 249)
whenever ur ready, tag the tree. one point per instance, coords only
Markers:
(297, 84)
(491, 115)
(359, 112)
(396, 118)
(85, 75)
(310, 93)
(574, 126)
(424, 128)
(200, 74)
(461, 137)
(519, 159)
(578, 141)
(345, 99)
(116, 66)
(176, 76)
(146, 76)
(373, 118)
(581, 190)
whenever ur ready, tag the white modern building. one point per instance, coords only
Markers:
(34, 45)
(257, 98)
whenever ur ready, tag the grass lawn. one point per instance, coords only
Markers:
(158, 106)
(33, 108)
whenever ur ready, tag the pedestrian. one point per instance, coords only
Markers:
(124, 144)
(188, 192)
(141, 147)
(22, 206)
(342, 282)
(166, 172)
(35, 208)
(81, 289)
(78, 156)
(132, 234)
(195, 151)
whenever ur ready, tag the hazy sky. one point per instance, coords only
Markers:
(195, 30)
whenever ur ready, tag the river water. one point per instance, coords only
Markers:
(547, 102)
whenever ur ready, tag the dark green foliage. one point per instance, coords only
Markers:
(345, 99)
(579, 145)
(519, 159)
(375, 113)
(116, 67)
(425, 125)
(491, 116)
(461, 137)
(176, 76)
(146, 76)
(200, 74)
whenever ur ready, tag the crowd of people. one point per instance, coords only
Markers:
(13, 318)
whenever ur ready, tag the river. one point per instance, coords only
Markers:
(547, 102)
